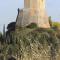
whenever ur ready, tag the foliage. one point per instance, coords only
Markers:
(56, 25)
(32, 25)
(11, 26)
(27, 40)
(1, 38)
(0, 34)
(50, 21)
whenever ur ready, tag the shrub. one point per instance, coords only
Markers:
(56, 25)
(11, 26)
(32, 25)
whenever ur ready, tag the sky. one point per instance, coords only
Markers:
(8, 10)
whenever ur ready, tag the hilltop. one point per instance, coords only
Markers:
(30, 43)
(35, 43)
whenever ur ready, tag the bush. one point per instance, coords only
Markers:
(11, 26)
(32, 25)
(56, 25)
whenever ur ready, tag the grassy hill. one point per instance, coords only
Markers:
(33, 44)
(38, 41)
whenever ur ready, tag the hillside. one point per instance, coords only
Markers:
(32, 44)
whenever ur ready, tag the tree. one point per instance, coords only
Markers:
(50, 21)
(11, 26)
(1, 38)
(4, 33)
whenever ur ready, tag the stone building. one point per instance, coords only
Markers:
(33, 12)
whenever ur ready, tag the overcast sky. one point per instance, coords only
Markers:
(8, 10)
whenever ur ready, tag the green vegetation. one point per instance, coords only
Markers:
(56, 24)
(50, 21)
(32, 25)
(11, 26)
(24, 42)
(1, 38)
(37, 37)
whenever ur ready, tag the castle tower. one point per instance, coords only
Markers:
(34, 12)
(26, 3)
(34, 3)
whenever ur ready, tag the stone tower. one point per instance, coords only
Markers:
(33, 12)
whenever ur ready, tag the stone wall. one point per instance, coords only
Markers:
(28, 16)
(33, 12)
